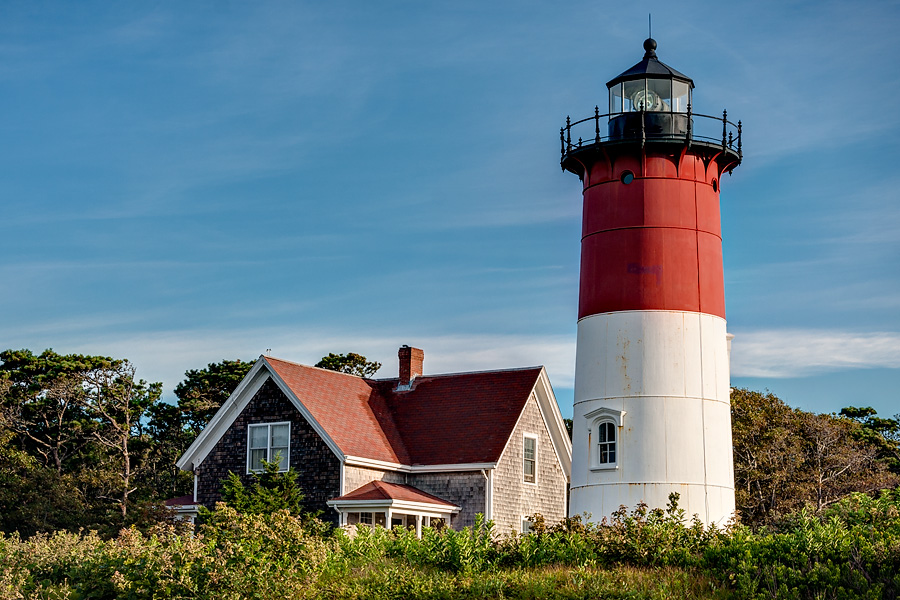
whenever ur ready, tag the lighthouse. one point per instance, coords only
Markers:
(651, 408)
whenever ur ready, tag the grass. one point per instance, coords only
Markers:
(394, 580)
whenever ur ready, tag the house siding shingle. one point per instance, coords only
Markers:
(356, 477)
(513, 498)
(317, 466)
(465, 489)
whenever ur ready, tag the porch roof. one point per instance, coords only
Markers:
(377, 494)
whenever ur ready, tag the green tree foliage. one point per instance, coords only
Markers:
(33, 497)
(76, 449)
(43, 402)
(269, 491)
(785, 458)
(352, 363)
(169, 437)
(884, 433)
(117, 403)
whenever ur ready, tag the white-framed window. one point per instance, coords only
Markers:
(604, 427)
(526, 525)
(366, 518)
(268, 442)
(606, 443)
(529, 458)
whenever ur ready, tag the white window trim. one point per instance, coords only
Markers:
(269, 456)
(526, 528)
(595, 418)
(530, 436)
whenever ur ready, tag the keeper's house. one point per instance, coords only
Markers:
(402, 451)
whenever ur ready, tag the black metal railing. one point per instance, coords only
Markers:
(651, 125)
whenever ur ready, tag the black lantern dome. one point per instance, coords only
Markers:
(650, 86)
(650, 105)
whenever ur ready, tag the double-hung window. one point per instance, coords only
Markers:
(606, 444)
(530, 459)
(270, 442)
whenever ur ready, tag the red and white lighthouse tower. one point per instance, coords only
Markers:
(652, 412)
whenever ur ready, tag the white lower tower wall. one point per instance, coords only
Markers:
(662, 378)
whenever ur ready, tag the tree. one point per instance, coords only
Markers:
(352, 363)
(884, 433)
(203, 391)
(35, 498)
(73, 424)
(270, 491)
(118, 403)
(785, 458)
(839, 461)
(767, 453)
(41, 401)
(167, 438)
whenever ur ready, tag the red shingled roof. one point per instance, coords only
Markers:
(381, 490)
(444, 419)
(459, 418)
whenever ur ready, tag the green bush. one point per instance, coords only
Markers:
(852, 551)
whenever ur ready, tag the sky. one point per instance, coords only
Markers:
(187, 182)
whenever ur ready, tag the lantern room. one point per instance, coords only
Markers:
(649, 99)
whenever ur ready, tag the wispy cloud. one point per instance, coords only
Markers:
(802, 352)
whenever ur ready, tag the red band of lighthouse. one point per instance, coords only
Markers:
(653, 243)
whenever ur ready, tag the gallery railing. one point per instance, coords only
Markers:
(645, 125)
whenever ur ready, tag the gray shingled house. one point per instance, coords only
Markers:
(401, 451)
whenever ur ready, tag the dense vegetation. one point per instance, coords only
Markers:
(84, 444)
(785, 459)
(851, 551)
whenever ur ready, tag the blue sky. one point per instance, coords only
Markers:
(187, 182)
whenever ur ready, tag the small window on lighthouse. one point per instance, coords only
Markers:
(604, 427)
(627, 177)
(606, 439)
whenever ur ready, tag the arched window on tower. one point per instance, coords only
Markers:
(606, 441)
(604, 425)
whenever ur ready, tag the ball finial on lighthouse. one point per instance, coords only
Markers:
(652, 413)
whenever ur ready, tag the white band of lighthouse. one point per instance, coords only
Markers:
(667, 373)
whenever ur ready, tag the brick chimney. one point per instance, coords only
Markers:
(411, 360)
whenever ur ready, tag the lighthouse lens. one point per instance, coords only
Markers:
(646, 100)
